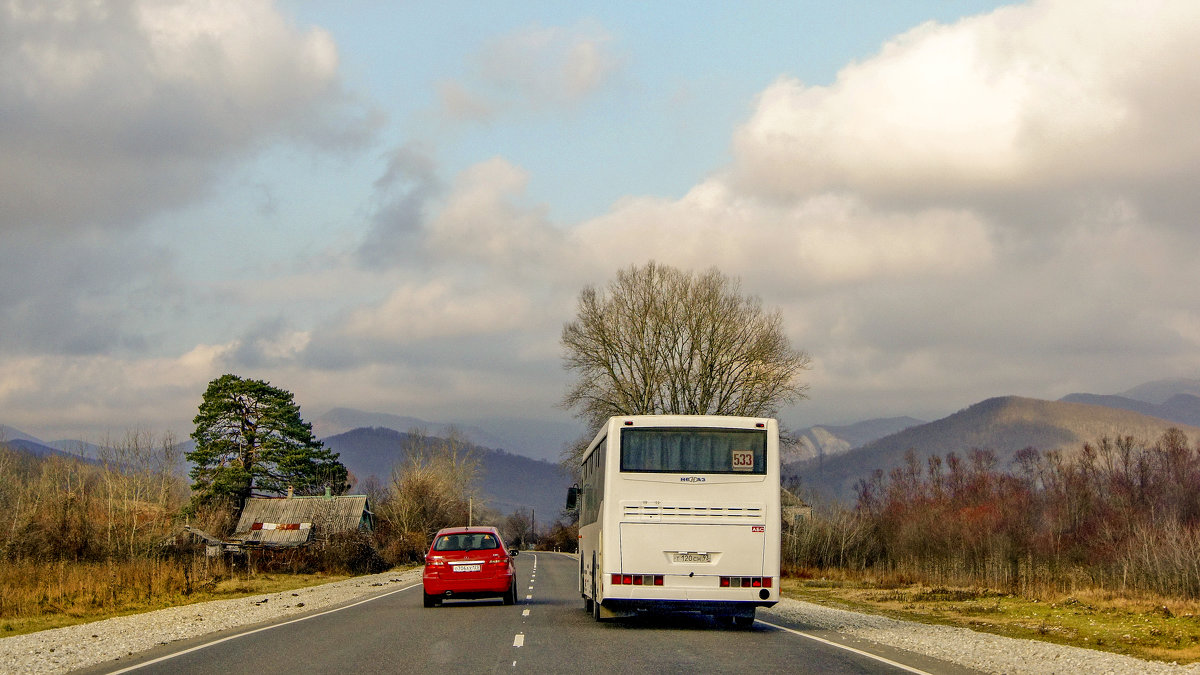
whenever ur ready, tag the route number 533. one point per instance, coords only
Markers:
(743, 460)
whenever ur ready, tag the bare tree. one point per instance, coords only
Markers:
(433, 488)
(660, 340)
(517, 529)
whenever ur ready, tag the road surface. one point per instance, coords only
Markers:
(547, 631)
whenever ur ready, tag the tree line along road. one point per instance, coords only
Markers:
(546, 631)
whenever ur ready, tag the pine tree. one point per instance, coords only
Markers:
(250, 438)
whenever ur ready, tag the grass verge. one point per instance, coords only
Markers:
(39, 597)
(1144, 626)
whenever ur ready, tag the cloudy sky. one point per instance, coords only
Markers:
(393, 206)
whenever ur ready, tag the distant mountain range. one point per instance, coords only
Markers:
(17, 438)
(1160, 391)
(509, 482)
(1180, 408)
(827, 441)
(42, 450)
(539, 439)
(828, 459)
(1008, 424)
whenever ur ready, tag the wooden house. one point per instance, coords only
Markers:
(283, 522)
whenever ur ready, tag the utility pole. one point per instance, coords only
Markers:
(470, 510)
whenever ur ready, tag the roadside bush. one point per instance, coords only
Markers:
(563, 536)
(1118, 514)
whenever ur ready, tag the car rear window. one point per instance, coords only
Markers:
(466, 542)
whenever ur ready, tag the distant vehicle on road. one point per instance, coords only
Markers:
(468, 562)
(680, 513)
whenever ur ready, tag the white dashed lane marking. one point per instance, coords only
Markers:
(519, 638)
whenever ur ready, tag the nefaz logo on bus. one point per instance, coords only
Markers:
(692, 479)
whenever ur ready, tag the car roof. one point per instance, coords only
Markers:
(468, 530)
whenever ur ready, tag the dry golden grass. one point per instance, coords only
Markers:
(37, 596)
(1136, 624)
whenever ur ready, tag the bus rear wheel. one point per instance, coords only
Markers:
(587, 602)
(595, 592)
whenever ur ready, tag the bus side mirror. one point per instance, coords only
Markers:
(572, 497)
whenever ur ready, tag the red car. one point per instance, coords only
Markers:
(468, 562)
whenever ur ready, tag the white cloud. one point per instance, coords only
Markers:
(1002, 205)
(1023, 98)
(70, 397)
(463, 105)
(549, 65)
(116, 110)
(529, 70)
(483, 220)
(414, 313)
(826, 239)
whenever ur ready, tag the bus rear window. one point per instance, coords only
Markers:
(680, 450)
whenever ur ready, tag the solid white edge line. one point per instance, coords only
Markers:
(860, 652)
(257, 630)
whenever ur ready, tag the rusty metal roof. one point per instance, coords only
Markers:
(290, 521)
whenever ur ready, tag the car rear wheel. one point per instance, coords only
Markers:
(510, 596)
(432, 600)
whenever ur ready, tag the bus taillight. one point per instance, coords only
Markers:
(637, 579)
(745, 582)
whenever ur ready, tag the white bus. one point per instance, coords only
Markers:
(680, 513)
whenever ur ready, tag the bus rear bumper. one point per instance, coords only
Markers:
(629, 606)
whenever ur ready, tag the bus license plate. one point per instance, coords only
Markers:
(692, 558)
(467, 568)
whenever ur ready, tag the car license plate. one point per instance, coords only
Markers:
(692, 558)
(467, 568)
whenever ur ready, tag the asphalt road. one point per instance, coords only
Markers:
(547, 631)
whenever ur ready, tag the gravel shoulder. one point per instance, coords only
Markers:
(980, 651)
(62, 650)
